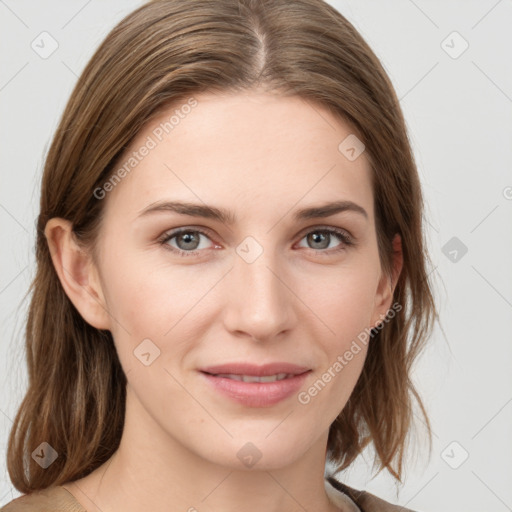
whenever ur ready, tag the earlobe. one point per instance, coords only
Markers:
(77, 273)
(388, 284)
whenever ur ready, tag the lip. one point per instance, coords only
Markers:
(242, 368)
(256, 394)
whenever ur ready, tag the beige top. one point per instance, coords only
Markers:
(59, 499)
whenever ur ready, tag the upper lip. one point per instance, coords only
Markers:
(241, 368)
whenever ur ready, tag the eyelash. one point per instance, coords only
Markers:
(345, 238)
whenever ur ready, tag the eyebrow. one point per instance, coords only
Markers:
(227, 217)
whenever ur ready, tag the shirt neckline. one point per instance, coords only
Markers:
(335, 495)
(340, 498)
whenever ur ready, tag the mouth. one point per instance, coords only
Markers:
(254, 378)
(256, 386)
(278, 369)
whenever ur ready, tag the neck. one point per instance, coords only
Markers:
(155, 472)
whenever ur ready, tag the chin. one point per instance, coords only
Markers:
(259, 450)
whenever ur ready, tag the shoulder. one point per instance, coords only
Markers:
(51, 499)
(366, 501)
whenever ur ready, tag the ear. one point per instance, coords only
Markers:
(77, 273)
(387, 284)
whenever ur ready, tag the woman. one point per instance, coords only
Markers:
(231, 280)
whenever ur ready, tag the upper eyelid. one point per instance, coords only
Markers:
(171, 233)
(327, 228)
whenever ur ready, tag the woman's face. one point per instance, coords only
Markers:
(256, 278)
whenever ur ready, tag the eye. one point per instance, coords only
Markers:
(321, 238)
(187, 243)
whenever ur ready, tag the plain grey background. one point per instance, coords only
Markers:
(450, 64)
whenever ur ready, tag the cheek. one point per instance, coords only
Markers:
(345, 300)
(151, 300)
(345, 308)
(145, 294)
(139, 299)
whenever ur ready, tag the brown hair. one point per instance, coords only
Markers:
(159, 54)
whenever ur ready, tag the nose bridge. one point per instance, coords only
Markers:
(259, 303)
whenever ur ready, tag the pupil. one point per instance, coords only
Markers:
(188, 238)
(317, 237)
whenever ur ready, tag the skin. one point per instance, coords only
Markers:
(263, 157)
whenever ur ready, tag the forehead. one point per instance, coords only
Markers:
(238, 148)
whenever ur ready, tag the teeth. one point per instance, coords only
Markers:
(254, 378)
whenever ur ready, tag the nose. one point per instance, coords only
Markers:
(260, 303)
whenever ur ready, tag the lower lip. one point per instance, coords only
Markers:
(257, 394)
